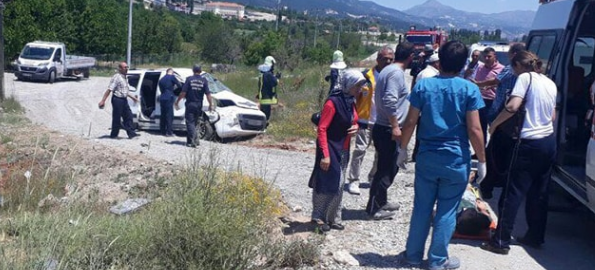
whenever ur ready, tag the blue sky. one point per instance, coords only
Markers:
(492, 6)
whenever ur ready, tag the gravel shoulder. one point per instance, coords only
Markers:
(70, 107)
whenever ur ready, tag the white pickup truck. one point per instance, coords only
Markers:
(47, 61)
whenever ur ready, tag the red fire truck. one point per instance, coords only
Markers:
(422, 37)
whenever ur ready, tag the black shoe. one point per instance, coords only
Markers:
(337, 226)
(134, 136)
(526, 242)
(191, 145)
(497, 250)
(382, 215)
(390, 207)
(321, 227)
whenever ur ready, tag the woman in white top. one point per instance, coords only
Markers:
(531, 172)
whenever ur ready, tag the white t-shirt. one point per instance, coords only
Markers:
(428, 72)
(540, 104)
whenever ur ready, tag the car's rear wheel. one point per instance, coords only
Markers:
(204, 129)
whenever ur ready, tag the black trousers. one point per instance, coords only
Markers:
(266, 109)
(121, 117)
(529, 179)
(193, 112)
(386, 169)
(484, 119)
(166, 118)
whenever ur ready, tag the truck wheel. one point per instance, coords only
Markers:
(52, 77)
(204, 129)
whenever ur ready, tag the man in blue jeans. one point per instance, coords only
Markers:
(391, 107)
(449, 110)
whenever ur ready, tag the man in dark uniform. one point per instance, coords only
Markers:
(166, 100)
(194, 90)
(267, 86)
(120, 108)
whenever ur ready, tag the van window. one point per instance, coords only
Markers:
(583, 54)
(543, 46)
(58, 54)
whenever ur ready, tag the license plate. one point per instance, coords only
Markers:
(254, 122)
(27, 74)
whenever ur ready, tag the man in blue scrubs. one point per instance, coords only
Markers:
(448, 106)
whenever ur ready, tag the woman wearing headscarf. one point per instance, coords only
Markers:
(533, 157)
(338, 122)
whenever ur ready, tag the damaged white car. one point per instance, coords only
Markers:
(234, 116)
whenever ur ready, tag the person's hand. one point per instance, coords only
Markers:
(352, 130)
(482, 170)
(492, 129)
(211, 108)
(402, 158)
(101, 104)
(325, 163)
(396, 134)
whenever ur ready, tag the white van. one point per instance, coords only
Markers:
(563, 36)
(233, 117)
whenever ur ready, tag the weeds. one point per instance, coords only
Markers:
(205, 219)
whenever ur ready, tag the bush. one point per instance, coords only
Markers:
(206, 219)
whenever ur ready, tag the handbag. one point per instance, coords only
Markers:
(315, 118)
(512, 126)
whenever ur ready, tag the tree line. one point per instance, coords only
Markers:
(100, 27)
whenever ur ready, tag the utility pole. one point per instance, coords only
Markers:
(315, 29)
(339, 34)
(278, 16)
(129, 49)
(2, 96)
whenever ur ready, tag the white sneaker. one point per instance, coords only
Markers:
(354, 188)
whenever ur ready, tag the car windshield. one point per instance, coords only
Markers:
(215, 86)
(426, 39)
(37, 53)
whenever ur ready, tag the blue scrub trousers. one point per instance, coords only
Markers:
(440, 178)
(193, 112)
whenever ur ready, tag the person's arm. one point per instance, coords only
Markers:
(409, 126)
(475, 134)
(105, 96)
(488, 82)
(182, 94)
(326, 117)
(208, 94)
(390, 101)
(513, 104)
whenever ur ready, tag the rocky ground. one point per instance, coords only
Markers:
(67, 112)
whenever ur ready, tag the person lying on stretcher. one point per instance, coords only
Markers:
(474, 216)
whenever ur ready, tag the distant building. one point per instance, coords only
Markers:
(223, 9)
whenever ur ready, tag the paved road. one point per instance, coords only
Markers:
(71, 107)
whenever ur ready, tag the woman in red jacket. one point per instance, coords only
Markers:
(338, 122)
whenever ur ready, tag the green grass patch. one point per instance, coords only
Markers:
(13, 112)
(206, 219)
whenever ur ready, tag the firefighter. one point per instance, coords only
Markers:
(267, 86)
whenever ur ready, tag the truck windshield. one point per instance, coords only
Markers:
(416, 39)
(37, 53)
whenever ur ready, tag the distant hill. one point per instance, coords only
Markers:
(512, 23)
(430, 13)
(343, 8)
